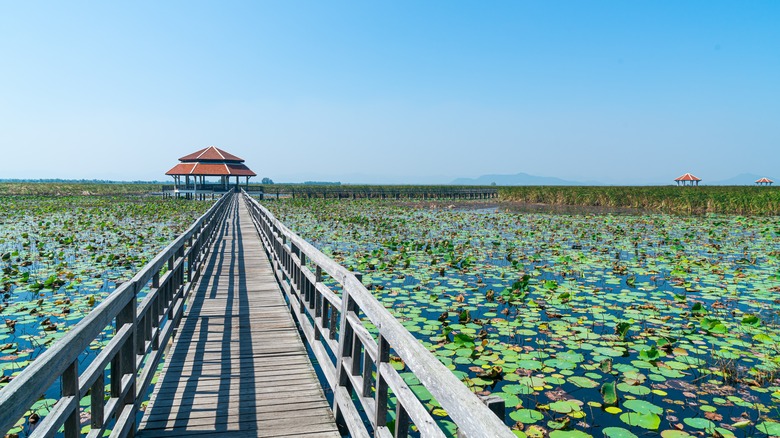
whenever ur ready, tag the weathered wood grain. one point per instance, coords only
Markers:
(237, 366)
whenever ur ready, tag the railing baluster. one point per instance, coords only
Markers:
(383, 356)
(367, 365)
(357, 347)
(70, 388)
(189, 260)
(333, 321)
(97, 401)
(318, 305)
(127, 357)
(169, 285)
(401, 422)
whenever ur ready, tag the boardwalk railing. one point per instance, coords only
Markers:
(133, 353)
(355, 363)
(272, 191)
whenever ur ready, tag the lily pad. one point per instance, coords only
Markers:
(769, 427)
(617, 432)
(583, 382)
(527, 416)
(700, 423)
(647, 421)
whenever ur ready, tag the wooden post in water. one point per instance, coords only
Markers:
(496, 404)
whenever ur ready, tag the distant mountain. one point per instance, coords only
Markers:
(518, 179)
(740, 180)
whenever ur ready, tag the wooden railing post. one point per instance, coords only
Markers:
(97, 394)
(383, 356)
(401, 422)
(156, 311)
(70, 388)
(126, 358)
(189, 261)
(345, 350)
(496, 404)
(170, 287)
(320, 309)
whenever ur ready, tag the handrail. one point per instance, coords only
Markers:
(383, 192)
(362, 364)
(133, 353)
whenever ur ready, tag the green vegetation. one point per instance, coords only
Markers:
(75, 188)
(332, 190)
(667, 199)
(585, 324)
(60, 256)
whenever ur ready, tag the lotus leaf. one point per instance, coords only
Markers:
(647, 421)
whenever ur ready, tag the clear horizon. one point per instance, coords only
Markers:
(404, 92)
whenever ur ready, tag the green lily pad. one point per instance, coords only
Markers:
(617, 432)
(583, 382)
(643, 407)
(700, 423)
(769, 427)
(566, 406)
(647, 421)
(527, 416)
(569, 434)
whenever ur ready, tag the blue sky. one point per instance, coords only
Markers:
(623, 92)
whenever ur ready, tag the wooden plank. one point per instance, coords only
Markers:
(297, 405)
(281, 393)
(277, 418)
(275, 395)
(197, 385)
(307, 430)
(237, 366)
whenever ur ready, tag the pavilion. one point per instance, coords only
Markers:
(764, 181)
(190, 174)
(687, 180)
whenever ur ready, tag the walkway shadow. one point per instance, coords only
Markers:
(214, 343)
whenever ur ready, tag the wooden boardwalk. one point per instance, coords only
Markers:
(238, 367)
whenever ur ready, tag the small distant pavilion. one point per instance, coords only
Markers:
(687, 180)
(190, 174)
(764, 181)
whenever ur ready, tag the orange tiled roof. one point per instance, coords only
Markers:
(211, 153)
(687, 177)
(211, 169)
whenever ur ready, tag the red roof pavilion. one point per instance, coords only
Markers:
(210, 161)
(764, 181)
(687, 179)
